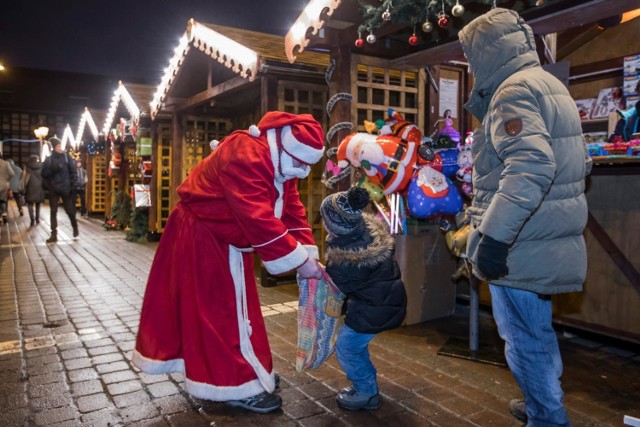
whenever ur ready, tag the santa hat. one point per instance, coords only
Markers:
(300, 136)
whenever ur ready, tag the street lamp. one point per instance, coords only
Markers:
(41, 133)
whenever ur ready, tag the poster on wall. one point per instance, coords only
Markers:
(608, 100)
(448, 97)
(632, 65)
(629, 85)
(584, 107)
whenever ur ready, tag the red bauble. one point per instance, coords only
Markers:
(443, 21)
(359, 42)
(413, 40)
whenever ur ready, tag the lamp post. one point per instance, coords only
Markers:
(41, 133)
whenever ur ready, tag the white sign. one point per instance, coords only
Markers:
(448, 97)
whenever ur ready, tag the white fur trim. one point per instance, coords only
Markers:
(254, 131)
(313, 251)
(195, 388)
(279, 179)
(236, 266)
(300, 150)
(293, 259)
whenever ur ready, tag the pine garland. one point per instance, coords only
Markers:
(404, 12)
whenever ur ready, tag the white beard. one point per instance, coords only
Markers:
(289, 171)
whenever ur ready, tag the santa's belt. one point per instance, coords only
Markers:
(392, 168)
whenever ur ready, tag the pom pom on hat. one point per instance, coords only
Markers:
(301, 135)
(254, 131)
(342, 212)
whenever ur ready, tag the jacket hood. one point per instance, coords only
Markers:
(34, 164)
(496, 44)
(380, 249)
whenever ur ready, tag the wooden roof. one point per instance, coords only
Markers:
(270, 47)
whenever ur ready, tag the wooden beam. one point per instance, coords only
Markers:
(204, 96)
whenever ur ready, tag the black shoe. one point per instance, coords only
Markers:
(33, 222)
(348, 390)
(76, 233)
(37, 220)
(262, 403)
(5, 219)
(52, 239)
(517, 409)
(21, 213)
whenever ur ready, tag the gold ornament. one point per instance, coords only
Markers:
(458, 10)
(427, 26)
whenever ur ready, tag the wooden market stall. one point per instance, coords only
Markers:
(123, 154)
(219, 80)
(561, 27)
(87, 138)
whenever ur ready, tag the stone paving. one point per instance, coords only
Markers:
(68, 319)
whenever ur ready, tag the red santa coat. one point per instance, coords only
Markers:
(201, 314)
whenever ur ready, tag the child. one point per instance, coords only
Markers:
(360, 260)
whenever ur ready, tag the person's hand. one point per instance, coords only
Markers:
(311, 269)
(492, 258)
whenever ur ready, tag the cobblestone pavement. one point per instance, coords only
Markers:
(68, 319)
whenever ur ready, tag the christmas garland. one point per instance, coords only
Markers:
(411, 13)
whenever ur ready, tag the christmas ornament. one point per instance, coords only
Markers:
(371, 38)
(443, 20)
(539, 2)
(386, 15)
(427, 26)
(413, 40)
(458, 10)
(359, 42)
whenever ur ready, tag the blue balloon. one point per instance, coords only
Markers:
(449, 161)
(422, 205)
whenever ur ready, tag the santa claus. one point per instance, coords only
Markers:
(201, 314)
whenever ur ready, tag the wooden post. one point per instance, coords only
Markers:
(340, 82)
(107, 181)
(268, 94)
(176, 156)
(153, 185)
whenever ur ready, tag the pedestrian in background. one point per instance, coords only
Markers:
(361, 263)
(529, 210)
(33, 193)
(16, 189)
(6, 173)
(59, 177)
(81, 187)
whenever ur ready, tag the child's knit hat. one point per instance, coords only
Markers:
(342, 212)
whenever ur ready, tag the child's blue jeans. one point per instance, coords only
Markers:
(352, 350)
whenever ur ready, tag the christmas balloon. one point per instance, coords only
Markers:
(427, 26)
(430, 193)
(413, 40)
(371, 39)
(359, 42)
(375, 191)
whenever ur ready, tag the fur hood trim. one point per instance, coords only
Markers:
(380, 249)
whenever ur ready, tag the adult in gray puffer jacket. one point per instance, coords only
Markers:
(529, 209)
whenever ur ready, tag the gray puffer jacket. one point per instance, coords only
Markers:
(529, 156)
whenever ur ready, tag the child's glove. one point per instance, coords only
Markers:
(492, 258)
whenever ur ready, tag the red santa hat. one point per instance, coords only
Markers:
(301, 135)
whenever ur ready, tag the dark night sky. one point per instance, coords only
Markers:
(131, 39)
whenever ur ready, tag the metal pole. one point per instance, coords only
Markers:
(473, 314)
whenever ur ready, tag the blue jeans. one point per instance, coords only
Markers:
(352, 350)
(532, 352)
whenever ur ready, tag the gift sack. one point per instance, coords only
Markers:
(319, 308)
